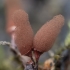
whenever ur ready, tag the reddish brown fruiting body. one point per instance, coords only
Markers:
(23, 32)
(48, 33)
(11, 7)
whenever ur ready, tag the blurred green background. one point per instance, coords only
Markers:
(39, 12)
